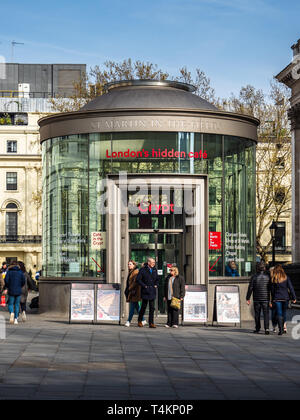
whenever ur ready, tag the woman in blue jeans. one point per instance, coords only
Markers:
(281, 289)
(133, 292)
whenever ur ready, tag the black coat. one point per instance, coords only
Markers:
(148, 281)
(260, 286)
(178, 287)
(280, 291)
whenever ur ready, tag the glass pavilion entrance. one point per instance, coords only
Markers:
(161, 217)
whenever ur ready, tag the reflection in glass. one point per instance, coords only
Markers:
(75, 166)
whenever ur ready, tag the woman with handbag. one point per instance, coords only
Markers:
(173, 294)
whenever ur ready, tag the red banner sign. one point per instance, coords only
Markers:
(214, 240)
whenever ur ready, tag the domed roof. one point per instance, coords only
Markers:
(148, 94)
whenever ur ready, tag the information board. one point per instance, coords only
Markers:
(195, 304)
(98, 240)
(108, 302)
(228, 304)
(82, 302)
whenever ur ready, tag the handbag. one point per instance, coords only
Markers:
(175, 302)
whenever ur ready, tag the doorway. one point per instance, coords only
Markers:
(163, 217)
(165, 248)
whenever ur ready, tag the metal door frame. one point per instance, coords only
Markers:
(157, 232)
(117, 223)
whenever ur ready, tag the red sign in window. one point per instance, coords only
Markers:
(214, 240)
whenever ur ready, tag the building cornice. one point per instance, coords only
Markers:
(21, 157)
(285, 76)
(19, 129)
(171, 120)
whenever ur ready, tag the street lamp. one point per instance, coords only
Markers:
(273, 229)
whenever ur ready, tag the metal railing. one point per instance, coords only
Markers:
(281, 250)
(13, 118)
(47, 95)
(24, 239)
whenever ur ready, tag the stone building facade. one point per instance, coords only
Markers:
(20, 190)
(25, 90)
(290, 76)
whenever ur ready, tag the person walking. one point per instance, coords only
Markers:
(14, 281)
(133, 292)
(27, 286)
(148, 279)
(260, 286)
(174, 288)
(281, 290)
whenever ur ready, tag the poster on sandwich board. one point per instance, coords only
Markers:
(195, 304)
(228, 304)
(82, 302)
(108, 302)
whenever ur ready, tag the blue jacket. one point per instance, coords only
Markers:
(14, 281)
(280, 291)
(148, 281)
(229, 272)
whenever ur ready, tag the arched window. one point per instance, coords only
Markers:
(11, 222)
(11, 206)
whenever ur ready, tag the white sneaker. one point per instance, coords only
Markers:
(11, 319)
(23, 316)
(16, 322)
(127, 324)
(167, 326)
(175, 326)
(144, 322)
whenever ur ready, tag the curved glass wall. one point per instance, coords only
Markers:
(74, 238)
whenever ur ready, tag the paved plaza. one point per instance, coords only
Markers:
(50, 359)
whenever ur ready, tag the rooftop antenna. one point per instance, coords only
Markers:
(13, 44)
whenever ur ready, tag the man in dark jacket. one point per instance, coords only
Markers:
(14, 281)
(260, 286)
(148, 279)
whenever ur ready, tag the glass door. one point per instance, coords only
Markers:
(165, 248)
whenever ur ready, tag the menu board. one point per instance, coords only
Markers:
(108, 302)
(195, 304)
(82, 302)
(228, 304)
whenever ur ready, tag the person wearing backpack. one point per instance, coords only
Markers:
(260, 287)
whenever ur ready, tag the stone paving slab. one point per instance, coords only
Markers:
(50, 359)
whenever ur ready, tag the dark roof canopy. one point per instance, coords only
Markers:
(148, 94)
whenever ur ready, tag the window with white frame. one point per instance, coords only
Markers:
(11, 146)
(11, 181)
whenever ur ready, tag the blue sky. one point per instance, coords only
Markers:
(236, 42)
